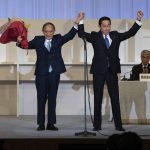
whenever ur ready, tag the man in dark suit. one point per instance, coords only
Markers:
(49, 66)
(143, 67)
(106, 64)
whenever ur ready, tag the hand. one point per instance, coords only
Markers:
(139, 15)
(80, 17)
(19, 39)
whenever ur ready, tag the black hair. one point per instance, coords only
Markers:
(102, 19)
(130, 141)
(112, 142)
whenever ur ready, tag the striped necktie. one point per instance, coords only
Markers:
(145, 69)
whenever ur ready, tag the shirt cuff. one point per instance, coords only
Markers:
(81, 22)
(139, 22)
(76, 26)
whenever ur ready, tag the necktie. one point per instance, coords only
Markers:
(49, 45)
(49, 48)
(107, 42)
(145, 69)
(107, 45)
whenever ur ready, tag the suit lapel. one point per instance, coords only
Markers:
(52, 44)
(43, 43)
(148, 68)
(43, 40)
(100, 35)
(103, 40)
(112, 36)
(141, 68)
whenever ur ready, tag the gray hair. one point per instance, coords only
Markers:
(145, 51)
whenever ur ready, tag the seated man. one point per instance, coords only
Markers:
(143, 67)
(135, 93)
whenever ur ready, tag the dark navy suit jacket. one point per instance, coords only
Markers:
(136, 70)
(101, 53)
(54, 57)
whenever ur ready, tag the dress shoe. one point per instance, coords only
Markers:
(51, 127)
(41, 128)
(120, 129)
(96, 128)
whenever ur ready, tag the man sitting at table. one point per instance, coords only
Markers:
(135, 93)
(143, 67)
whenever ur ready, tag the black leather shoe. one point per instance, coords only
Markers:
(41, 128)
(51, 127)
(120, 129)
(97, 128)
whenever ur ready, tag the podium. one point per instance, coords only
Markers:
(135, 101)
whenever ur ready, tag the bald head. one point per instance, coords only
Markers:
(145, 57)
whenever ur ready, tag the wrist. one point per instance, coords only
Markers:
(18, 43)
(139, 19)
(76, 22)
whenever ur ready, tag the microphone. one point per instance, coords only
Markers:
(124, 76)
(84, 38)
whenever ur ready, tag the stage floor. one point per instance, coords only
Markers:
(24, 127)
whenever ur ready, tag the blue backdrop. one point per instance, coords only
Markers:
(68, 9)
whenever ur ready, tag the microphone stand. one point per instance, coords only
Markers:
(85, 132)
(124, 76)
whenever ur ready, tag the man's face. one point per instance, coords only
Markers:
(105, 27)
(48, 31)
(145, 58)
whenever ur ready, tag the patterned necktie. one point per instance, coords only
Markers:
(107, 42)
(145, 69)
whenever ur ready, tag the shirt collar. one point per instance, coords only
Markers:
(109, 39)
(144, 65)
(106, 36)
(47, 40)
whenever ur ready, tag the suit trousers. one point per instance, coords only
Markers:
(47, 87)
(111, 80)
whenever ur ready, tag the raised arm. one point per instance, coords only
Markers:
(81, 32)
(70, 35)
(133, 30)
